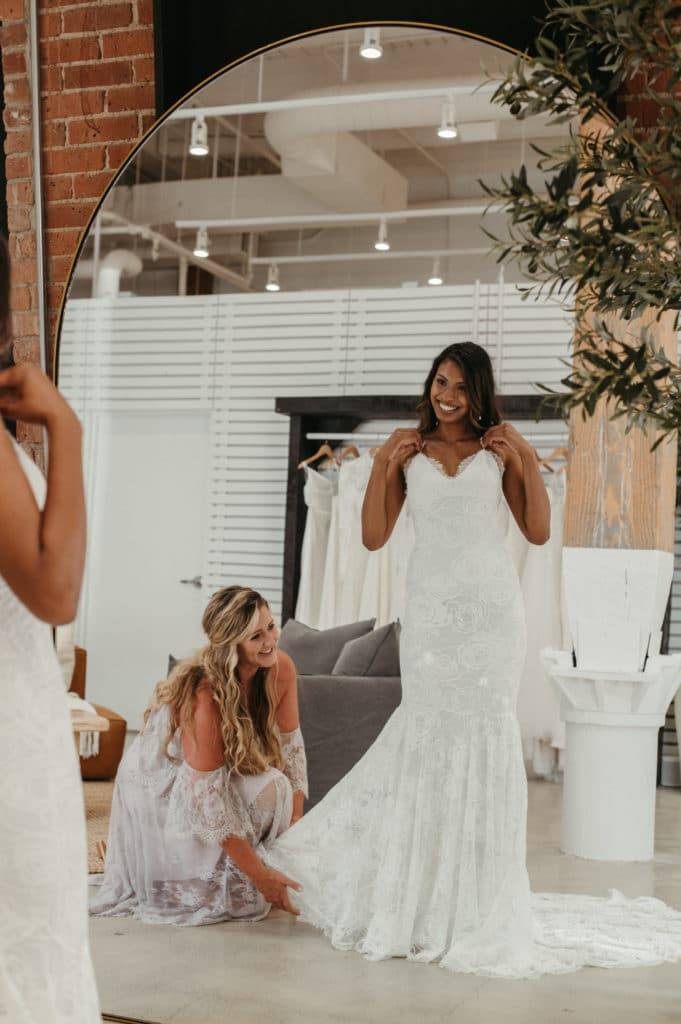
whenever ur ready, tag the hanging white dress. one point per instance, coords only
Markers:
(318, 493)
(326, 618)
(352, 482)
(383, 595)
(46, 973)
(419, 851)
(164, 859)
(541, 727)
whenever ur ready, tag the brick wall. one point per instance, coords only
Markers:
(97, 99)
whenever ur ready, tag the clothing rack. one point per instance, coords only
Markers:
(332, 417)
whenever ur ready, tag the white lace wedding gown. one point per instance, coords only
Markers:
(46, 974)
(419, 851)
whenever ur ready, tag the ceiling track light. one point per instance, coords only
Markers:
(448, 129)
(435, 276)
(371, 48)
(382, 243)
(201, 246)
(272, 284)
(198, 145)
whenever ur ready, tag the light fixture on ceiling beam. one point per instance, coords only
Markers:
(371, 48)
(435, 275)
(201, 244)
(448, 129)
(272, 284)
(382, 243)
(198, 145)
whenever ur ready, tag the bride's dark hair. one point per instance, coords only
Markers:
(476, 367)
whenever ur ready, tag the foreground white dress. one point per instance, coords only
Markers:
(46, 974)
(164, 861)
(419, 851)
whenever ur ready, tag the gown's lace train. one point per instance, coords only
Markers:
(419, 851)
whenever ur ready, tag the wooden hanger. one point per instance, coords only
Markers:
(557, 453)
(324, 449)
(351, 449)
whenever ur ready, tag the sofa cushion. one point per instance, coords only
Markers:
(375, 654)
(316, 651)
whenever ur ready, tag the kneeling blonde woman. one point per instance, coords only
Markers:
(217, 771)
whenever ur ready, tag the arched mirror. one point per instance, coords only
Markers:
(275, 269)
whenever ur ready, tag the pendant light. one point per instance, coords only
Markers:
(272, 284)
(448, 129)
(382, 243)
(435, 276)
(371, 48)
(201, 246)
(198, 145)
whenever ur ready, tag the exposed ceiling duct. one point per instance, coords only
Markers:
(321, 153)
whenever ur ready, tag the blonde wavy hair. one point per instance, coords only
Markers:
(249, 735)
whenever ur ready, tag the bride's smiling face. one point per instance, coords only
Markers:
(259, 649)
(449, 393)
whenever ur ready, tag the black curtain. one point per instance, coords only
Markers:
(195, 41)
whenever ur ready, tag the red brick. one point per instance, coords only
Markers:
(53, 135)
(19, 141)
(71, 104)
(20, 193)
(18, 218)
(102, 129)
(12, 10)
(70, 51)
(49, 25)
(24, 272)
(14, 63)
(58, 268)
(17, 91)
(12, 34)
(128, 44)
(16, 117)
(64, 161)
(50, 80)
(61, 241)
(147, 121)
(58, 187)
(94, 185)
(118, 153)
(87, 76)
(144, 69)
(25, 325)
(55, 293)
(25, 245)
(131, 97)
(98, 19)
(21, 298)
(66, 215)
(145, 12)
(18, 167)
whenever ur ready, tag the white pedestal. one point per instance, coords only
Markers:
(612, 721)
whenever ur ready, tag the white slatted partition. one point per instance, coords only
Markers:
(670, 752)
(233, 354)
(138, 353)
(270, 346)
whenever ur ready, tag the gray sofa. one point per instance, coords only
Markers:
(340, 717)
(348, 686)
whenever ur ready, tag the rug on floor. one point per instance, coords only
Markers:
(98, 797)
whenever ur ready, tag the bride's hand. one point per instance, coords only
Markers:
(504, 438)
(274, 886)
(401, 445)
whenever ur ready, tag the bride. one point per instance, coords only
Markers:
(419, 851)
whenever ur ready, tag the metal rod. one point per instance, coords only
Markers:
(344, 257)
(332, 100)
(548, 439)
(360, 217)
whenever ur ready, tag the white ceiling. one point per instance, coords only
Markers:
(345, 136)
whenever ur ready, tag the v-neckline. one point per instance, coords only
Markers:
(459, 469)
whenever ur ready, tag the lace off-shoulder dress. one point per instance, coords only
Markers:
(164, 861)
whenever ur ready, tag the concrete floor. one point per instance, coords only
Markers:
(283, 972)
